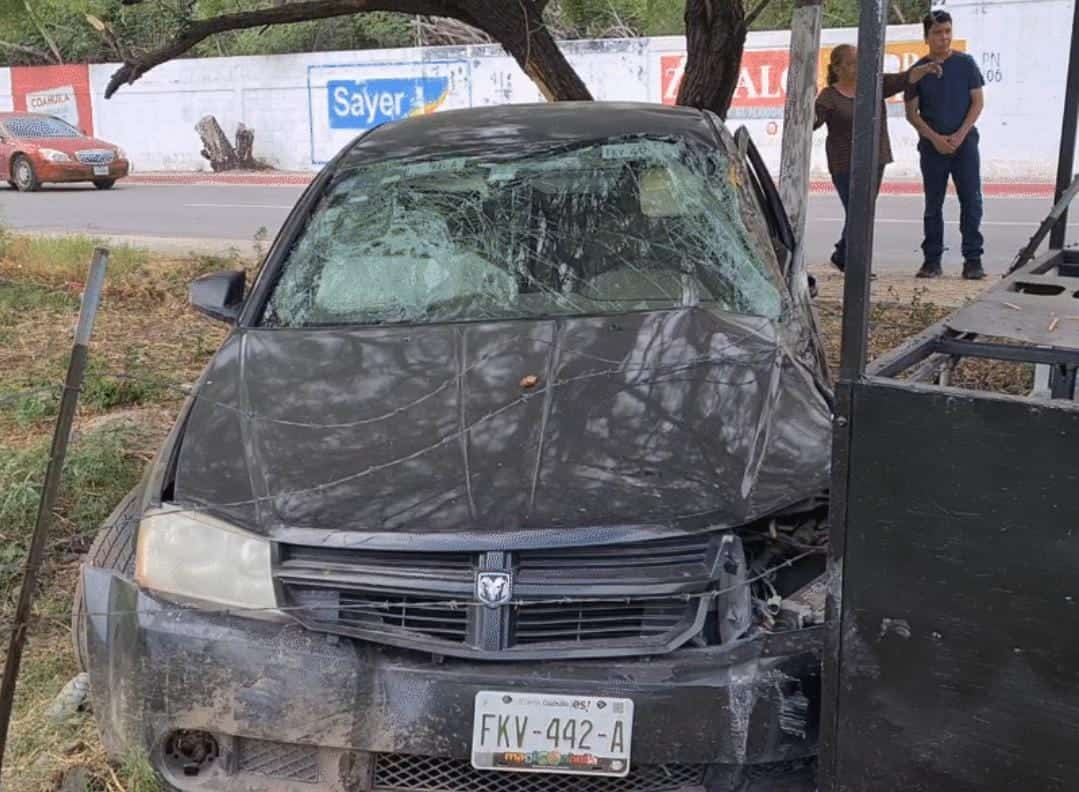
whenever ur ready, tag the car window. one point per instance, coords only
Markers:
(614, 227)
(41, 128)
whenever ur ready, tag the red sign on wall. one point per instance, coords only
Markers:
(762, 81)
(61, 91)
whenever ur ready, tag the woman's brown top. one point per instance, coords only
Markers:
(837, 111)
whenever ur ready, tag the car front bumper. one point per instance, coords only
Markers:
(296, 710)
(48, 171)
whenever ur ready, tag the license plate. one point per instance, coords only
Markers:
(101, 170)
(551, 733)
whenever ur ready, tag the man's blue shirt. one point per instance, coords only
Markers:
(944, 101)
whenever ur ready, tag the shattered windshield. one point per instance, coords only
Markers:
(630, 225)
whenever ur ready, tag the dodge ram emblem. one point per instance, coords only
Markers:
(493, 588)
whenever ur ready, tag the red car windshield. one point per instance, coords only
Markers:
(40, 128)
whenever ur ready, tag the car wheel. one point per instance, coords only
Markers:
(22, 174)
(113, 548)
(104, 184)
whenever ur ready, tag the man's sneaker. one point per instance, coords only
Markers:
(929, 271)
(972, 270)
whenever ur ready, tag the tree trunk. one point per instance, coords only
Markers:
(245, 147)
(715, 39)
(215, 146)
(798, 117)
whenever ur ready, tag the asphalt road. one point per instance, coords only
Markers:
(215, 218)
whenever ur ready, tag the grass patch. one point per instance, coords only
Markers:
(177, 277)
(145, 338)
(140, 774)
(102, 465)
(39, 750)
(20, 300)
(98, 472)
(108, 389)
(31, 404)
(66, 259)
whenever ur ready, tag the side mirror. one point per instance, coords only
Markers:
(219, 296)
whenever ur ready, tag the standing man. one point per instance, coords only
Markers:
(944, 110)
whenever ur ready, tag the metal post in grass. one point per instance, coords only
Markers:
(76, 370)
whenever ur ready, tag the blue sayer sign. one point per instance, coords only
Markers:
(362, 104)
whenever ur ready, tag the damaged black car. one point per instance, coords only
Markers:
(511, 475)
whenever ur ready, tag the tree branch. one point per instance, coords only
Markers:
(28, 50)
(43, 32)
(515, 24)
(751, 17)
(195, 32)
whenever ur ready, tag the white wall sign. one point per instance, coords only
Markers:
(59, 102)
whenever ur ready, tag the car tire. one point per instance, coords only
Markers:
(104, 184)
(23, 175)
(113, 548)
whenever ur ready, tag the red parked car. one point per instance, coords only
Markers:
(35, 149)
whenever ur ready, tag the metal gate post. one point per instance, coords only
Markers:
(872, 28)
(1066, 156)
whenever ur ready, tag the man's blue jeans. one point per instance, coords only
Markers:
(965, 169)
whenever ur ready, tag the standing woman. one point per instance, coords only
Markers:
(835, 108)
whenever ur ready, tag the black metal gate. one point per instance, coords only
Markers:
(958, 655)
(953, 658)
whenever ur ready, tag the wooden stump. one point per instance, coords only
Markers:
(222, 154)
(245, 147)
(215, 146)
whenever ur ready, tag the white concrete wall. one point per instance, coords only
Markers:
(289, 100)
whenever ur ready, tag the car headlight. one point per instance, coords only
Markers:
(52, 155)
(198, 557)
(120, 153)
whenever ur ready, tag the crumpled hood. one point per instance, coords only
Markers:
(684, 417)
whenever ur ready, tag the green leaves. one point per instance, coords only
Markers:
(599, 18)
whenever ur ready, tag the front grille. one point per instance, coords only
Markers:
(404, 773)
(278, 760)
(95, 156)
(370, 611)
(441, 566)
(681, 556)
(595, 621)
(592, 601)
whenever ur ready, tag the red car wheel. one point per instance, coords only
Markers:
(22, 174)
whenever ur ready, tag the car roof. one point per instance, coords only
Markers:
(9, 114)
(513, 130)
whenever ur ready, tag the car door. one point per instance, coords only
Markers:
(784, 242)
(779, 224)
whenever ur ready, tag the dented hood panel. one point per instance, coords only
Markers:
(682, 419)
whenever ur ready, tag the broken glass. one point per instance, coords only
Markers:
(635, 224)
